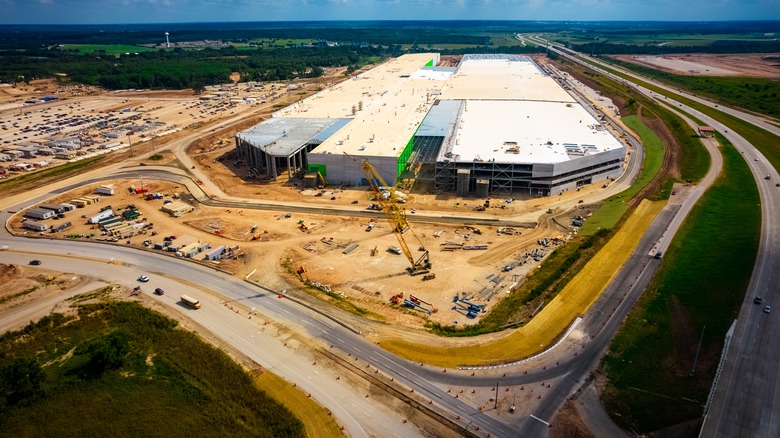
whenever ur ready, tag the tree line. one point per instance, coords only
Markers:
(179, 68)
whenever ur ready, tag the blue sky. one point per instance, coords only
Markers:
(167, 11)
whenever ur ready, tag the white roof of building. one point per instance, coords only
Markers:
(515, 131)
(394, 104)
(508, 77)
(378, 84)
(508, 98)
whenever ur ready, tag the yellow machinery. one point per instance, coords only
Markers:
(322, 178)
(386, 197)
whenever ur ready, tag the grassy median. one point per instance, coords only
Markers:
(703, 278)
(609, 213)
(578, 295)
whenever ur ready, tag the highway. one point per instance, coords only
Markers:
(426, 381)
(600, 323)
(746, 397)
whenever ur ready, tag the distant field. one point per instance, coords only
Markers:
(110, 49)
(674, 40)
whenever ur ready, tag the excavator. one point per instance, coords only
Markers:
(386, 197)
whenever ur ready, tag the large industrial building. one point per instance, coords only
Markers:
(495, 124)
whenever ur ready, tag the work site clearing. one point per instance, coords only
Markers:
(351, 257)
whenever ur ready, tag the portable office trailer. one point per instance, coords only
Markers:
(68, 207)
(102, 215)
(60, 227)
(177, 208)
(55, 208)
(105, 190)
(79, 203)
(190, 250)
(39, 213)
(35, 226)
(216, 253)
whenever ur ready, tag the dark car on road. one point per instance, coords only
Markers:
(159, 291)
(35, 262)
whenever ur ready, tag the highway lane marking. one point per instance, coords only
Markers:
(539, 419)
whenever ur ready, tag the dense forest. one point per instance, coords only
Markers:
(32, 52)
(178, 68)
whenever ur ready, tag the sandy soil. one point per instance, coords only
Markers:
(753, 65)
(279, 246)
(22, 284)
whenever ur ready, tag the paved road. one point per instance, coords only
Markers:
(600, 323)
(262, 344)
(746, 398)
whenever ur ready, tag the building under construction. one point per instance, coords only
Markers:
(495, 124)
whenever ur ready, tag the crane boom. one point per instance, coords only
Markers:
(386, 197)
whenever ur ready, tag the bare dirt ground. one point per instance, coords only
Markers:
(753, 65)
(22, 284)
(279, 246)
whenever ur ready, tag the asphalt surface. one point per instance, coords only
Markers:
(600, 323)
(746, 397)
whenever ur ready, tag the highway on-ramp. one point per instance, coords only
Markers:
(746, 396)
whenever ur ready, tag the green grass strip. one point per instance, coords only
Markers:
(701, 283)
(53, 173)
(615, 207)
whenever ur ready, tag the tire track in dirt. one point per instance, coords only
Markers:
(506, 249)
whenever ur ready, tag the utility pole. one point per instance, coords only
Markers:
(495, 405)
(130, 144)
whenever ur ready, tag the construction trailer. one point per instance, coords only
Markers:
(55, 208)
(39, 213)
(107, 189)
(193, 249)
(60, 227)
(217, 253)
(68, 207)
(102, 215)
(35, 226)
(177, 208)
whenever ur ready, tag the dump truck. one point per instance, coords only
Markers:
(192, 302)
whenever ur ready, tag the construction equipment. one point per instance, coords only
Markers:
(322, 178)
(472, 306)
(430, 276)
(395, 299)
(469, 312)
(375, 251)
(302, 226)
(420, 302)
(386, 197)
(413, 305)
